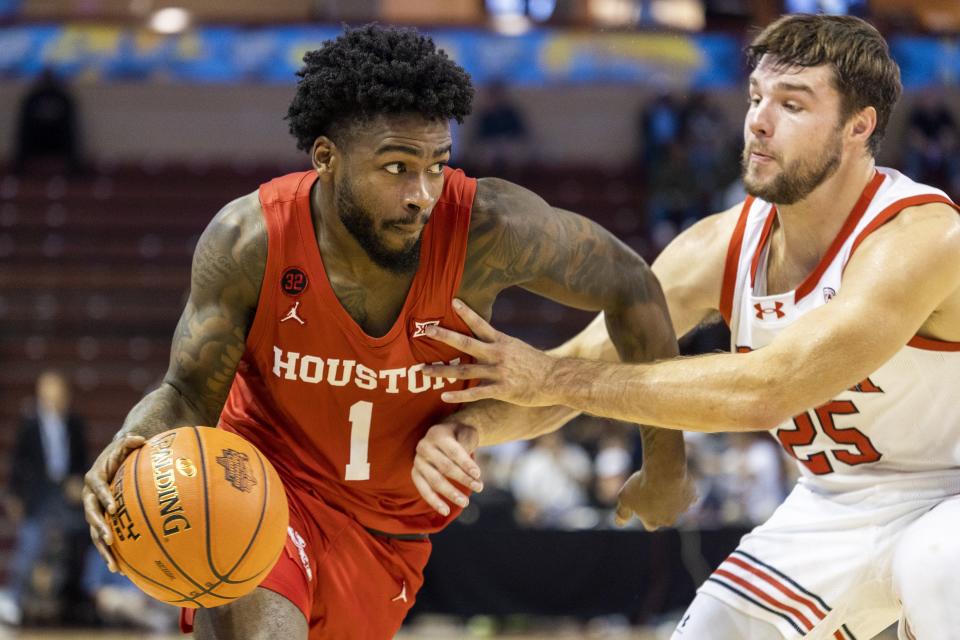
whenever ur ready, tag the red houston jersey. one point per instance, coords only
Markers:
(339, 412)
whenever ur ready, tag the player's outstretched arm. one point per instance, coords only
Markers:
(903, 280)
(227, 271)
(518, 239)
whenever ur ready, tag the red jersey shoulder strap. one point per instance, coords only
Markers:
(444, 247)
(885, 216)
(893, 210)
(278, 201)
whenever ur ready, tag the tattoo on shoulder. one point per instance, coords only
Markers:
(518, 239)
(210, 338)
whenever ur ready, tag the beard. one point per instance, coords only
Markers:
(798, 179)
(364, 228)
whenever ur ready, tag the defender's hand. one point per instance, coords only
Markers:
(97, 497)
(510, 369)
(656, 501)
(443, 455)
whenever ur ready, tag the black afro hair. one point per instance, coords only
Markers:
(370, 71)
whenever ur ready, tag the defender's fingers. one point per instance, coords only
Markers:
(461, 371)
(470, 395)
(458, 341)
(428, 494)
(480, 327)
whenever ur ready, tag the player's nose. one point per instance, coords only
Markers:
(760, 121)
(419, 196)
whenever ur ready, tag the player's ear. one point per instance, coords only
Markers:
(323, 155)
(863, 123)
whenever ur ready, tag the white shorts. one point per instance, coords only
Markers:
(820, 567)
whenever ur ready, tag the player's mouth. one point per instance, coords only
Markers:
(758, 156)
(408, 229)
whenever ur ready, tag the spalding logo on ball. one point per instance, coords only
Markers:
(201, 517)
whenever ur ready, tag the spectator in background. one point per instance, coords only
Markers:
(714, 154)
(46, 477)
(752, 475)
(660, 127)
(501, 138)
(674, 202)
(549, 482)
(47, 124)
(120, 603)
(933, 142)
(612, 466)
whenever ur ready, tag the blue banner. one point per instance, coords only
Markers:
(541, 57)
(239, 54)
(927, 61)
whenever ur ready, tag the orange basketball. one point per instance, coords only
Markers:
(201, 517)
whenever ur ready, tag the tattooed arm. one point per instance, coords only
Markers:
(227, 271)
(517, 239)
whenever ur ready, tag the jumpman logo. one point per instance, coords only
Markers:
(403, 593)
(292, 314)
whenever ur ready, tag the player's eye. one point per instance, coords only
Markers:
(395, 168)
(754, 101)
(437, 168)
(793, 107)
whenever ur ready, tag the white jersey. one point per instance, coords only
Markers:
(905, 417)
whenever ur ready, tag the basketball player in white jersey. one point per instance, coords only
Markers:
(840, 281)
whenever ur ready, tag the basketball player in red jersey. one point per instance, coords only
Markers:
(840, 281)
(305, 332)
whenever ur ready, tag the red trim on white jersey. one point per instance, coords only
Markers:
(885, 216)
(732, 262)
(764, 236)
(919, 342)
(866, 197)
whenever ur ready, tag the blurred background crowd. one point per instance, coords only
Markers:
(128, 123)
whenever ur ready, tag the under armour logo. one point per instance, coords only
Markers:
(420, 328)
(403, 593)
(292, 314)
(777, 308)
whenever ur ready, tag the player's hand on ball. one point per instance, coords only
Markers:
(444, 455)
(655, 501)
(96, 493)
(509, 369)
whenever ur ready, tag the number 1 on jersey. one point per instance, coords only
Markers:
(359, 466)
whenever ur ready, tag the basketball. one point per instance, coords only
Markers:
(201, 517)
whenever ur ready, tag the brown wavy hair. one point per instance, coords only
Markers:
(863, 72)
